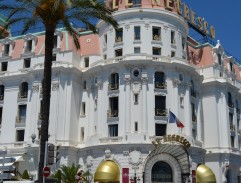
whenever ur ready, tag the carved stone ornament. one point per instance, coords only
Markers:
(55, 86)
(89, 161)
(108, 154)
(144, 80)
(127, 27)
(35, 88)
(136, 87)
(135, 159)
(125, 153)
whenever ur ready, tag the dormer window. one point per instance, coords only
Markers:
(28, 47)
(7, 47)
(172, 37)
(231, 66)
(219, 59)
(6, 50)
(55, 41)
(4, 66)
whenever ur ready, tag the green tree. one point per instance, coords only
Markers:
(25, 175)
(66, 174)
(51, 13)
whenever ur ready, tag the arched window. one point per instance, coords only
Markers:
(160, 81)
(161, 172)
(23, 90)
(114, 81)
(230, 101)
(2, 92)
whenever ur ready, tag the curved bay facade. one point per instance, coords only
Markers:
(111, 100)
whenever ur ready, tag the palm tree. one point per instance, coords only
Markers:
(66, 174)
(51, 13)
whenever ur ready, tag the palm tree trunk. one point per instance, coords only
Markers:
(49, 37)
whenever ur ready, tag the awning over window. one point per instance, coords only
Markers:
(107, 171)
(205, 174)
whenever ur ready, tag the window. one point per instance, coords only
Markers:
(22, 111)
(54, 57)
(160, 129)
(1, 114)
(82, 133)
(23, 90)
(172, 37)
(156, 33)
(137, 33)
(118, 53)
(135, 98)
(231, 66)
(28, 47)
(232, 141)
(26, 62)
(193, 93)
(6, 50)
(83, 109)
(156, 51)
(86, 61)
(160, 106)
(113, 107)
(2, 88)
(161, 172)
(105, 56)
(84, 85)
(136, 126)
(183, 43)
(219, 59)
(230, 100)
(136, 3)
(20, 135)
(194, 117)
(119, 35)
(194, 134)
(137, 50)
(55, 41)
(113, 130)
(160, 80)
(105, 38)
(114, 81)
(173, 54)
(4, 66)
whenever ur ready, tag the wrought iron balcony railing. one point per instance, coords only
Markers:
(160, 85)
(194, 118)
(112, 113)
(160, 112)
(232, 127)
(113, 86)
(22, 94)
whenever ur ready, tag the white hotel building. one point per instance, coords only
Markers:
(110, 100)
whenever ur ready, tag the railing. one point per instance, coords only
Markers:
(156, 37)
(112, 113)
(230, 104)
(22, 94)
(20, 119)
(118, 39)
(113, 86)
(232, 127)
(160, 85)
(111, 139)
(141, 56)
(1, 97)
(193, 93)
(194, 118)
(160, 112)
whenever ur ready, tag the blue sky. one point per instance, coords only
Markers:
(225, 16)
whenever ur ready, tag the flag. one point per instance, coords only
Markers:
(173, 119)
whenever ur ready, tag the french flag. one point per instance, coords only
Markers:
(173, 119)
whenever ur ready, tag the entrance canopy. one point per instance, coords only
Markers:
(107, 171)
(205, 174)
(177, 151)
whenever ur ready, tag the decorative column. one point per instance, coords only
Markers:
(144, 79)
(99, 109)
(199, 119)
(127, 104)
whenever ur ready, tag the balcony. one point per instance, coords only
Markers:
(112, 113)
(194, 118)
(114, 86)
(111, 140)
(161, 85)
(232, 127)
(193, 93)
(20, 121)
(118, 39)
(160, 112)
